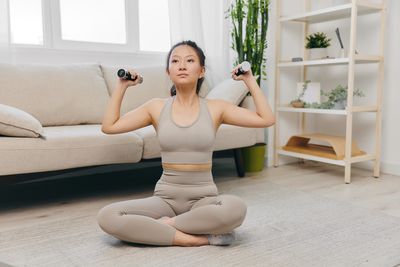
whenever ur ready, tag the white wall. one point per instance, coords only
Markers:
(366, 79)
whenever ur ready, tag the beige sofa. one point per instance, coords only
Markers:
(64, 106)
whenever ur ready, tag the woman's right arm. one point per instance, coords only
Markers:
(132, 120)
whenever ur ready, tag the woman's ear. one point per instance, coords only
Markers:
(203, 72)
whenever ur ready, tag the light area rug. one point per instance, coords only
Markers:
(283, 227)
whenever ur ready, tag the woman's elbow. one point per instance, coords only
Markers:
(106, 130)
(270, 122)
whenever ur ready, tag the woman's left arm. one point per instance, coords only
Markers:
(261, 118)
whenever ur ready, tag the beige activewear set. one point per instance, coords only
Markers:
(191, 196)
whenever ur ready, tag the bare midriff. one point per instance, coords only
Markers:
(187, 167)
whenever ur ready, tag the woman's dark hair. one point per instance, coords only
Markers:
(199, 53)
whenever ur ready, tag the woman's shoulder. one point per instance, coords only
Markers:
(158, 100)
(157, 103)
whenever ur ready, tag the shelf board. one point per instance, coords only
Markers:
(358, 59)
(312, 110)
(333, 13)
(355, 159)
(288, 108)
(365, 109)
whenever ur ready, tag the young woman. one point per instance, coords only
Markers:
(185, 209)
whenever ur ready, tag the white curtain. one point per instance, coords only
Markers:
(203, 21)
(5, 53)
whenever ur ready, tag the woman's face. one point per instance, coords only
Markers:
(184, 66)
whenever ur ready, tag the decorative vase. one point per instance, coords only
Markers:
(340, 105)
(317, 53)
(297, 104)
(253, 157)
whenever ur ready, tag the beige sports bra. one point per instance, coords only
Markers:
(191, 144)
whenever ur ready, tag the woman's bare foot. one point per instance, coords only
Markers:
(184, 239)
(188, 240)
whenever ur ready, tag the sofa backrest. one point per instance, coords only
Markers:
(56, 95)
(76, 93)
(156, 83)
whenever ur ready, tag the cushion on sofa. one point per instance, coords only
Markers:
(229, 90)
(16, 122)
(248, 103)
(55, 95)
(151, 145)
(156, 83)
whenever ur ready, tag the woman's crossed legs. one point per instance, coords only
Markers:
(139, 220)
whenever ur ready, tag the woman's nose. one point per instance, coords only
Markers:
(182, 65)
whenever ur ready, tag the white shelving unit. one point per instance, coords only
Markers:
(351, 10)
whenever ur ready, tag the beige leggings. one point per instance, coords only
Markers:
(190, 196)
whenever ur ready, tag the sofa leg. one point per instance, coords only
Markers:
(237, 152)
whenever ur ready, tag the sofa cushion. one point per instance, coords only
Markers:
(231, 136)
(156, 83)
(229, 90)
(16, 122)
(68, 147)
(55, 95)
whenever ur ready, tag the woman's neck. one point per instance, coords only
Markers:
(186, 96)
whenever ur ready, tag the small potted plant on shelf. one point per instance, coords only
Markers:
(336, 98)
(317, 44)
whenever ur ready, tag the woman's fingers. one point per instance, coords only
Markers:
(233, 72)
(133, 73)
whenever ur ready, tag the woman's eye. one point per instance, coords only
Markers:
(191, 60)
(174, 60)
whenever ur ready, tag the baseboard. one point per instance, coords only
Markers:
(386, 167)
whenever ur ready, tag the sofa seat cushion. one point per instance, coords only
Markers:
(228, 136)
(68, 147)
(55, 94)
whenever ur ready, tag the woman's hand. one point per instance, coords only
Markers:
(127, 83)
(243, 77)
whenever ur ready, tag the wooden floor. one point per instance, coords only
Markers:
(27, 204)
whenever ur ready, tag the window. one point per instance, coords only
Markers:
(154, 25)
(26, 22)
(101, 21)
(96, 25)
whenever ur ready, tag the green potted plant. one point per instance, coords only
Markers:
(336, 98)
(317, 44)
(249, 39)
